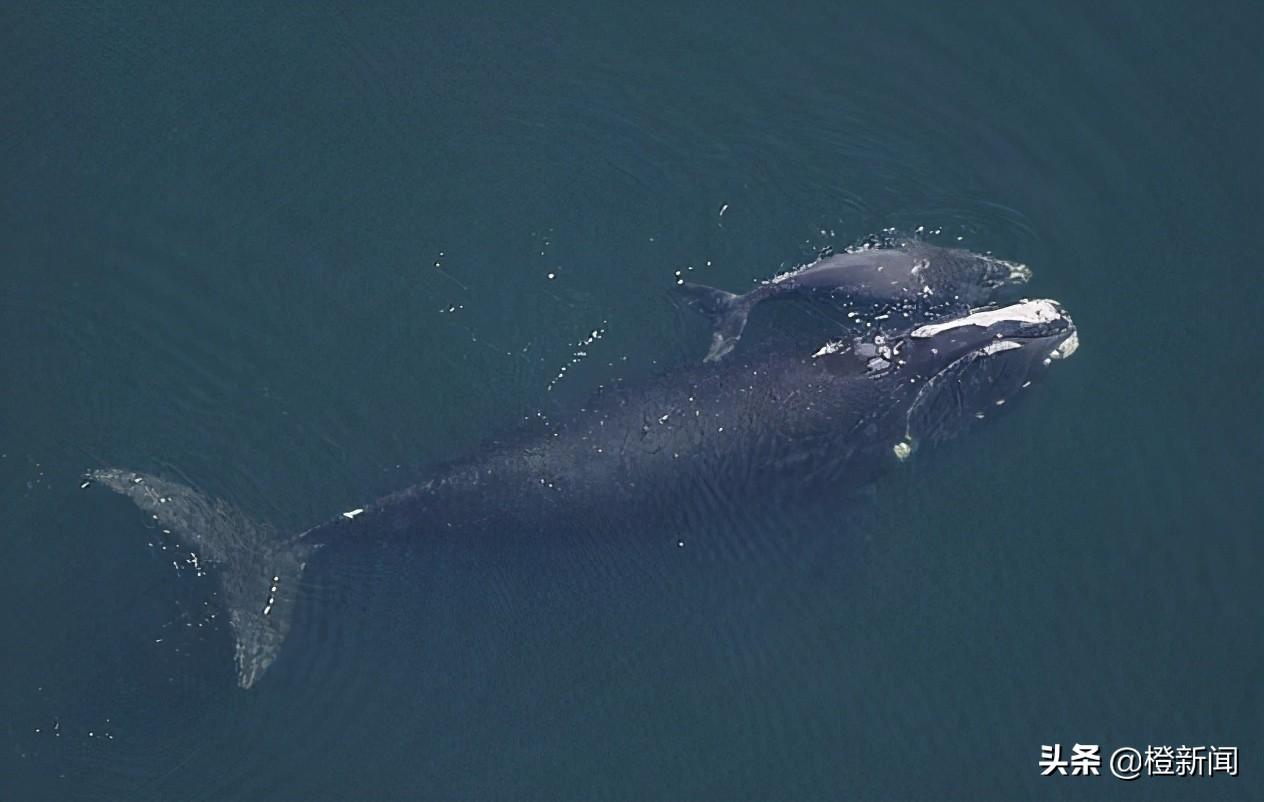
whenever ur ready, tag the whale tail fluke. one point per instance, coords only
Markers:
(258, 571)
(727, 311)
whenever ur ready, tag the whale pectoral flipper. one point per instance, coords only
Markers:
(258, 571)
(728, 313)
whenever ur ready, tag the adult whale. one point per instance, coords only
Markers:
(773, 420)
(916, 281)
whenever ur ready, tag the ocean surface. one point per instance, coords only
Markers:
(294, 257)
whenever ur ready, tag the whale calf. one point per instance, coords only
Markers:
(773, 419)
(924, 280)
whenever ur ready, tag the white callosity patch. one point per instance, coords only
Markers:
(1018, 273)
(1040, 311)
(1000, 345)
(1066, 347)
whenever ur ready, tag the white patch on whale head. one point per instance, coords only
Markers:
(1041, 311)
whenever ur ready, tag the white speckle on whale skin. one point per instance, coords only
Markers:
(829, 348)
(352, 513)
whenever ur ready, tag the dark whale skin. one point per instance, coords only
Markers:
(748, 427)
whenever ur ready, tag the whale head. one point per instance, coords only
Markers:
(1003, 275)
(968, 368)
(973, 279)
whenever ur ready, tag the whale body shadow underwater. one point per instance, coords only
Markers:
(934, 342)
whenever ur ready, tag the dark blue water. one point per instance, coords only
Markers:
(291, 258)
